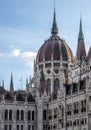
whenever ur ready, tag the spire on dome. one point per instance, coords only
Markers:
(11, 85)
(54, 29)
(80, 36)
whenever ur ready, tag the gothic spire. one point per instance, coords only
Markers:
(11, 84)
(81, 52)
(80, 36)
(54, 29)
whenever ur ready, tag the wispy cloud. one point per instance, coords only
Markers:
(28, 57)
(15, 53)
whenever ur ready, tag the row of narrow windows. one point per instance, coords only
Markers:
(19, 127)
(70, 123)
(77, 122)
(74, 108)
(8, 115)
(78, 107)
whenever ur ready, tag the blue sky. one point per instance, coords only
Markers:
(24, 25)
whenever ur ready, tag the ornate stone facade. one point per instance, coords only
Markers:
(58, 97)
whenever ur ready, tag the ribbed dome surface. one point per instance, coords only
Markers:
(54, 49)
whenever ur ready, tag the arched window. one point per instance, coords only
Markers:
(70, 123)
(22, 115)
(82, 122)
(10, 127)
(55, 112)
(74, 108)
(49, 86)
(6, 115)
(10, 115)
(17, 127)
(21, 127)
(56, 85)
(33, 115)
(77, 107)
(44, 114)
(17, 115)
(5, 127)
(29, 115)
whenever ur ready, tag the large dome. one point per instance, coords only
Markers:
(54, 49)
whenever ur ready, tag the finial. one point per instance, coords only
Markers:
(54, 29)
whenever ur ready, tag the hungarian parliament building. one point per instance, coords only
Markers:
(58, 97)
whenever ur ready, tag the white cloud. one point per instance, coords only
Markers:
(28, 57)
(15, 53)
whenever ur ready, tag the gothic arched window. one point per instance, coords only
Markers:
(44, 114)
(10, 115)
(6, 115)
(56, 84)
(49, 86)
(17, 115)
(22, 115)
(29, 115)
(33, 115)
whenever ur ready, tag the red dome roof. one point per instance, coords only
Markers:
(54, 49)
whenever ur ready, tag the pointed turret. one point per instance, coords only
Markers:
(54, 30)
(11, 85)
(81, 52)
